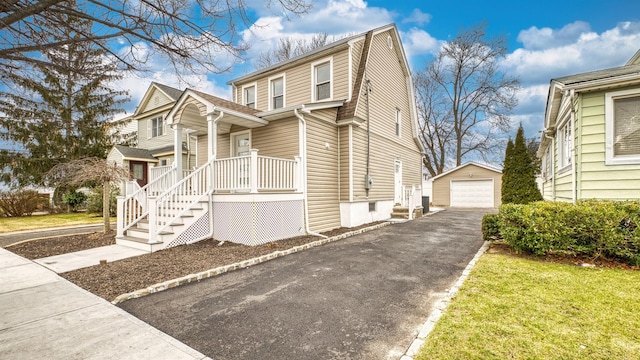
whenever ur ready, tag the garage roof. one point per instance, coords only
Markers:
(488, 167)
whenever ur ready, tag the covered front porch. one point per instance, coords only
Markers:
(244, 196)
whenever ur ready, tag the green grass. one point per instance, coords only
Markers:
(512, 308)
(47, 221)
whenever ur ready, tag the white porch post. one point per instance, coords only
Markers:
(177, 150)
(212, 143)
(297, 174)
(120, 218)
(253, 172)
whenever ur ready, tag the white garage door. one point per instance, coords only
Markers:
(472, 193)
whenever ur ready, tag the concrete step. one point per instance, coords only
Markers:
(138, 243)
(144, 234)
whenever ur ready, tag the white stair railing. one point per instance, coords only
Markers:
(170, 205)
(411, 198)
(133, 207)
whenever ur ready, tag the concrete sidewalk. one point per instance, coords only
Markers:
(90, 257)
(43, 316)
(7, 239)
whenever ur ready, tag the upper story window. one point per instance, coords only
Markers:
(276, 93)
(157, 126)
(548, 164)
(322, 75)
(622, 116)
(249, 96)
(565, 145)
(398, 122)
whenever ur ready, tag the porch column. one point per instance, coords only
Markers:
(177, 150)
(212, 143)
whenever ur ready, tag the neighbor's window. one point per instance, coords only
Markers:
(398, 122)
(277, 93)
(157, 127)
(250, 97)
(622, 113)
(323, 81)
(565, 145)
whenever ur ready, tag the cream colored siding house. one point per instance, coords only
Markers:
(590, 147)
(324, 140)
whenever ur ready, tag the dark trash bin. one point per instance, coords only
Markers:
(425, 204)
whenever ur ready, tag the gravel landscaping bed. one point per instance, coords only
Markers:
(119, 277)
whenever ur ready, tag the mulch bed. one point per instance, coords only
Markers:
(499, 247)
(119, 277)
(62, 245)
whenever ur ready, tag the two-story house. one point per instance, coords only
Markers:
(590, 146)
(154, 149)
(324, 140)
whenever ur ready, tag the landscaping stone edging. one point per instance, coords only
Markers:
(440, 307)
(239, 265)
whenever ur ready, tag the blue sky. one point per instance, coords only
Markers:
(546, 39)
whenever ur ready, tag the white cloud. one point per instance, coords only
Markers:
(417, 17)
(418, 43)
(535, 38)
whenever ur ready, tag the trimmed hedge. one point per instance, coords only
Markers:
(490, 227)
(593, 228)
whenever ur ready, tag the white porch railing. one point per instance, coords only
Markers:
(255, 173)
(133, 207)
(178, 199)
(157, 171)
(411, 198)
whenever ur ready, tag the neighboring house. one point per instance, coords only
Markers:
(303, 147)
(155, 141)
(470, 185)
(590, 147)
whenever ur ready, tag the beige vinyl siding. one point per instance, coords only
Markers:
(278, 139)
(328, 115)
(390, 92)
(115, 157)
(156, 100)
(547, 190)
(343, 135)
(341, 75)
(595, 179)
(145, 141)
(322, 176)
(442, 185)
(203, 149)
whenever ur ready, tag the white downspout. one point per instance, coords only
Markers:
(573, 150)
(303, 153)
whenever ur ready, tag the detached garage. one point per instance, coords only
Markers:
(470, 185)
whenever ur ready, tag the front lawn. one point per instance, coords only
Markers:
(517, 308)
(47, 221)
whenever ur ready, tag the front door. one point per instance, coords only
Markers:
(242, 147)
(138, 172)
(397, 180)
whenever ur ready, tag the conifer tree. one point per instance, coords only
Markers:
(518, 174)
(54, 114)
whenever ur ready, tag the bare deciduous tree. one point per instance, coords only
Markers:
(89, 170)
(289, 47)
(190, 34)
(464, 100)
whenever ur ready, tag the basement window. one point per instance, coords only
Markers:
(372, 206)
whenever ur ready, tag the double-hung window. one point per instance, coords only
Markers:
(622, 116)
(323, 81)
(250, 97)
(157, 127)
(398, 122)
(565, 146)
(277, 93)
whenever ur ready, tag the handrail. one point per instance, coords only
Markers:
(174, 202)
(134, 206)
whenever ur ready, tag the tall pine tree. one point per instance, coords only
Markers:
(518, 174)
(58, 111)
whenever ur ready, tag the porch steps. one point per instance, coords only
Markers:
(138, 237)
(402, 212)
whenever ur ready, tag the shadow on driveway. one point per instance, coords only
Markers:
(364, 297)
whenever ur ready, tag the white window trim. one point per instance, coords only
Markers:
(284, 90)
(564, 154)
(610, 158)
(251, 85)
(398, 123)
(150, 127)
(313, 78)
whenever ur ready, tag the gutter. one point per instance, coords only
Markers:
(303, 153)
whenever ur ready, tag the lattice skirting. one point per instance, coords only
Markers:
(197, 230)
(255, 223)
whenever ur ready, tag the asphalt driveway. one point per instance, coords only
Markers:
(364, 297)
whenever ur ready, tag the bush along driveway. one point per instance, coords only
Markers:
(361, 298)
